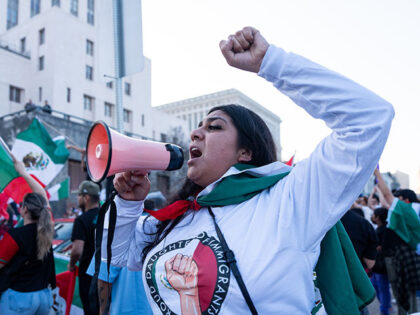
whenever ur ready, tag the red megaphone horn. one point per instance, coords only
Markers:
(109, 152)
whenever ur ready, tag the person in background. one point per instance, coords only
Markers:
(364, 240)
(26, 258)
(379, 274)
(362, 203)
(29, 106)
(47, 107)
(83, 238)
(373, 200)
(118, 285)
(400, 241)
(362, 236)
(409, 196)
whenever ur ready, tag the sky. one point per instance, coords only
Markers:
(373, 42)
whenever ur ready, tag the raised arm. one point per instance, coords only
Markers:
(383, 188)
(82, 151)
(323, 186)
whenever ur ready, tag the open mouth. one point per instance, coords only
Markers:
(195, 153)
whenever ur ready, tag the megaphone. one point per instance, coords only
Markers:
(109, 152)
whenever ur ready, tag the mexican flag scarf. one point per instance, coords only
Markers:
(341, 279)
(403, 220)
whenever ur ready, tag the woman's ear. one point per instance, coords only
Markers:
(23, 211)
(245, 155)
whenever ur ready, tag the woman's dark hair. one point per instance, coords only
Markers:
(37, 208)
(382, 214)
(253, 134)
(375, 196)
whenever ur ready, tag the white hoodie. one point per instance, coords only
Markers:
(275, 235)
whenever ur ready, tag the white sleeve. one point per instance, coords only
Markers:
(129, 235)
(323, 186)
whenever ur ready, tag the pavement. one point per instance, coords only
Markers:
(374, 307)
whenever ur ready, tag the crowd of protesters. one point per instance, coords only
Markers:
(393, 267)
(392, 263)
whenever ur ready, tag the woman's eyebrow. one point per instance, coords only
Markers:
(211, 119)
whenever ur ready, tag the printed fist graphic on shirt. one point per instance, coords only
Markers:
(182, 273)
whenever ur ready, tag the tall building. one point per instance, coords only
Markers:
(193, 110)
(48, 52)
(403, 179)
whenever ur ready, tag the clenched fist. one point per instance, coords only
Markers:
(245, 50)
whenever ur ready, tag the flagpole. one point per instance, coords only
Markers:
(119, 62)
(57, 131)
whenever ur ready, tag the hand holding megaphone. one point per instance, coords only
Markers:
(132, 185)
(109, 152)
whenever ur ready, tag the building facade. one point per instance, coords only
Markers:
(48, 52)
(193, 110)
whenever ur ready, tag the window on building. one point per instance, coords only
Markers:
(15, 94)
(12, 13)
(55, 3)
(88, 102)
(189, 122)
(163, 137)
(41, 36)
(35, 7)
(108, 109)
(142, 120)
(90, 12)
(22, 45)
(68, 97)
(74, 7)
(89, 47)
(127, 116)
(40, 94)
(89, 73)
(127, 88)
(41, 63)
(109, 84)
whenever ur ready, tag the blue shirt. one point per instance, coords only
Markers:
(128, 296)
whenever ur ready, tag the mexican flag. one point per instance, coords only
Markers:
(404, 221)
(60, 191)
(18, 188)
(43, 157)
(67, 283)
(7, 169)
(3, 207)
